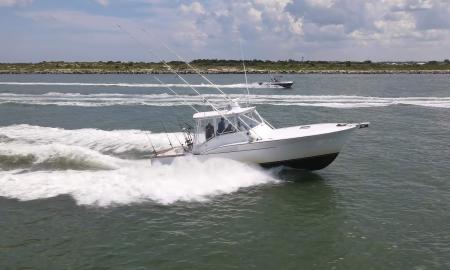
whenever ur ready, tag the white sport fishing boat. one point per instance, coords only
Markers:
(241, 134)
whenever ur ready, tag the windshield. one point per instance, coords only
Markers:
(249, 120)
(226, 126)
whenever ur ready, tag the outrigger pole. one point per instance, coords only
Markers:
(196, 70)
(210, 82)
(176, 94)
(167, 66)
(184, 101)
(182, 79)
(164, 63)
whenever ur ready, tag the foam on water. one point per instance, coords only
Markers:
(116, 142)
(137, 181)
(41, 162)
(53, 156)
(104, 99)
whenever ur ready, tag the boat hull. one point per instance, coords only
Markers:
(287, 84)
(284, 84)
(309, 163)
(310, 153)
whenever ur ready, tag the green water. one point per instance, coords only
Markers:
(84, 196)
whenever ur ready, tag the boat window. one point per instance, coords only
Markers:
(221, 124)
(206, 130)
(241, 125)
(226, 126)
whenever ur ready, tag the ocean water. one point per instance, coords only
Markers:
(77, 190)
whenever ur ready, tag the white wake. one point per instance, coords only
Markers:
(115, 142)
(105, 99)
(41, 162)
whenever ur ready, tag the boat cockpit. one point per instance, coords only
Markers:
(216, 128)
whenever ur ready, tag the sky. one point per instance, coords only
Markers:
(334, 30)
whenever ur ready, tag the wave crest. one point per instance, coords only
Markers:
(52, 157)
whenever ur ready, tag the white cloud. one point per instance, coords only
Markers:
(402, 24)
(276, 29)
(295, 25)
(266, 17)
(11, 3)
(412, 4)
(194, 8)
(303, 25)
(103, 2)
(254, 14)
(321, 3)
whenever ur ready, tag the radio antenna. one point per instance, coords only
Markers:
(245, 71)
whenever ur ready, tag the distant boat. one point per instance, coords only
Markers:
(277, 81)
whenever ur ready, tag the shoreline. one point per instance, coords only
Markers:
(217, 66)
(147, 72)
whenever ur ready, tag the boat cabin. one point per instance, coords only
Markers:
(232, 125)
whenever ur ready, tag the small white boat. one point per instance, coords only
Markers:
(242, 134)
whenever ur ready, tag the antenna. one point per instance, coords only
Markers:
(245, 71)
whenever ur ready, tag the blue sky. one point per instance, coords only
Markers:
(86, 30)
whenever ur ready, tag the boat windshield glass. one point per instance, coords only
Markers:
(249, 120)
(207, 129)
(226, 126)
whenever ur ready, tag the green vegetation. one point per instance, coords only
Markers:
(229, 66)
